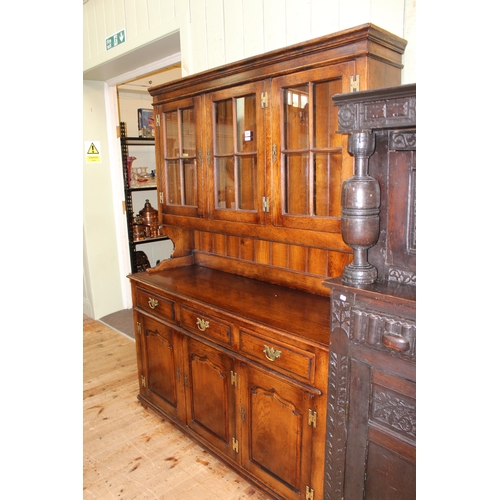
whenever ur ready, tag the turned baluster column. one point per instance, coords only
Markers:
(360, 211)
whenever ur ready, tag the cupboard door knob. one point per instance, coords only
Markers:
(395, 342)
(152, 303)
(202, 324)
(271, 353)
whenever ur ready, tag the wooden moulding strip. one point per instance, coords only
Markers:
(348, 44)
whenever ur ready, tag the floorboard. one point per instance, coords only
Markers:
(131, 453)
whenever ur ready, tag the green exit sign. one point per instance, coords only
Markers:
(115, 39)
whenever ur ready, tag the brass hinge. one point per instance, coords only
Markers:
(160, 195)
(234, 378)
(312, 418)
(264, 102)
(354, 83)
(265, 204)
(235, 445)
(139, 328)
(157, 120)
(309, 493)
(143, 380)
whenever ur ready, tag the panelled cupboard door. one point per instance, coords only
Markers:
(211, 396)
(307, 154)
(276, 440)
(381, 449)
(179, 158)
(161, 380)
(236, 147)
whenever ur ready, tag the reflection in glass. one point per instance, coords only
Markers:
(173, 183)
(235, 153)
(310, 169)
(180, 157)
(188, 133)
(296, 183)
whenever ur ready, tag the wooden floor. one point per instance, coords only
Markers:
(131, 453)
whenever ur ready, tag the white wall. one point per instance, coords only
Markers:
(212, 33)
(216, 32)
(103, 281)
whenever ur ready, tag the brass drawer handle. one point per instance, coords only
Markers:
(271, 353)
(202, 324)
(152, 303)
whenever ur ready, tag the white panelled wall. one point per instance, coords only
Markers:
(210, 33)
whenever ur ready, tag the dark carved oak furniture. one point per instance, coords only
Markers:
(371, 429)
(233, 331)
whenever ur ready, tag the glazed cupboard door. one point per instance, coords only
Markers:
(211, 396)
(179, 158)
(308, 157)
(236, 143)
(161, 366)
(276, 438)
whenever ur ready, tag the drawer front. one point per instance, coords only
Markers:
(155, 304)
(205, 325)
(288, 360)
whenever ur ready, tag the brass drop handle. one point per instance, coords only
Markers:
(271, 353)
(152, 303)
(202, 324)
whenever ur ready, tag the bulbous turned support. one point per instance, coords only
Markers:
(360, 211)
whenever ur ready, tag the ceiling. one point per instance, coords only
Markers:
(142, 84)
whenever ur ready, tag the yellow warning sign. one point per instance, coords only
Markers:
(92, 151)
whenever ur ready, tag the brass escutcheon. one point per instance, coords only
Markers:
(202, 324)
(271, 353)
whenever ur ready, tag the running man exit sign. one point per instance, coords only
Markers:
(115, 39)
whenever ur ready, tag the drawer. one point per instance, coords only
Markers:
(205, 325)
(288, 360)
(154, 304)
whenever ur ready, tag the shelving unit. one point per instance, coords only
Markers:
(130, 188)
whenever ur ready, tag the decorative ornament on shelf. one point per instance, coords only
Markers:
(130, 160)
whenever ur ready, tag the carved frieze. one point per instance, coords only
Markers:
(403, 276)
(403, 140)
(389, 333)
(394, 412)
(376, 114)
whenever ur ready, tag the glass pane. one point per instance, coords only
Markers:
(296, 184)
(225, 197)
(224, 127)
(246, 128)
(172, 135)
(188, 133)
(296, 118)
(173, 183)
(190, 185)
(325, 114)
(247, 185)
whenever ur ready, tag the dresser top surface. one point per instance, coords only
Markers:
(294, 311)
